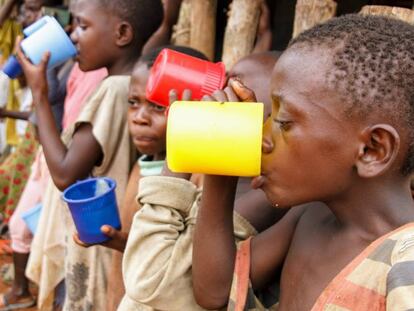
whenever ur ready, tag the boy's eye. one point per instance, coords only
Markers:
(158, 108)
(133, 103)
(283, 125)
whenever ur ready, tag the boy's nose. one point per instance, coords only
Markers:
(141, 117)
(267, 141)
(74, 35)
(267, 145)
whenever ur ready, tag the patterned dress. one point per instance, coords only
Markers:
(15, 171)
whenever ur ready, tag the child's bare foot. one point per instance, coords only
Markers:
(12, 300)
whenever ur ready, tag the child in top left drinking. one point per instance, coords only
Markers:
(109, 34)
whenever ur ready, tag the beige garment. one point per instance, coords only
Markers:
(54, 256)
(116, 289)
(157, 260)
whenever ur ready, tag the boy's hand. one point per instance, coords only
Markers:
(235, 91)
(35, 74)
(173, 96)
(118, 239)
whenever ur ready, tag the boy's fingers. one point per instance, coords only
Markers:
(187, 94)
(242, 91)
(78, 241)
(207, 98)
(109, 231)
(45, 60)
(232, 97)
(173, 96)
(220, 96)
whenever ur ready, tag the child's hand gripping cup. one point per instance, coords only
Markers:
(44, 35)
(92, 203)
(215, 138)
(175, 70)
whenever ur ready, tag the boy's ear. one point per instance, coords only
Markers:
(124, 34)
(378, 150)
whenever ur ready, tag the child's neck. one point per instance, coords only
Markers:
(123, 65)
(159, 156)
(373, 209)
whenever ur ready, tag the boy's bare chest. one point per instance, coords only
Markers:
(314, 259)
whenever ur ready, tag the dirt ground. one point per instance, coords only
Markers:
(3, 287)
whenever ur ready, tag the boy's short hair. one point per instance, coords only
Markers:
(373, 70)
(145, 16)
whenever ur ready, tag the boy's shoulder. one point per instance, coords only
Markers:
(114, 81)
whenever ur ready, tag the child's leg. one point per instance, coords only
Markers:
(21, 240)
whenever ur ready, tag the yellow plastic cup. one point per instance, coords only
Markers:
(215, 138)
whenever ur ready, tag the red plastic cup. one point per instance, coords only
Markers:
(175, 70)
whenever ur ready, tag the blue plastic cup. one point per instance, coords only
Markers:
(12, 68)
(31, 217)
(47, 35)
(90, 211)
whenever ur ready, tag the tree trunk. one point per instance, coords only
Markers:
(181, 31)
(203, 26)
(406, 15)
(311, 12)
(241, 30)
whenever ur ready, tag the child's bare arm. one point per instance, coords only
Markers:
(66, 165)
(257, 210)
(269, 248)
(214, 247)
(13, 114)
(6, 9)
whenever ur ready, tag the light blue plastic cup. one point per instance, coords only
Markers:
(12, 67)
(31, 217)
(91, 211)
(47, 35)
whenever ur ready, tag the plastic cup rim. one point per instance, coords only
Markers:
(111, 188)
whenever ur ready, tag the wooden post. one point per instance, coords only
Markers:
(241, 31)
(406, 15)
(181, 31)
(203, 26)
(311, 12)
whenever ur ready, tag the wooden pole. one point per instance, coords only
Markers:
(241, 30)
(311, 12)
(203, 26)
(181, 31)
(406, 15)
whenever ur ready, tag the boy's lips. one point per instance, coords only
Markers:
(258, 182)
(144, 139)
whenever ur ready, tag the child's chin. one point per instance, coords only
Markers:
(148, 150)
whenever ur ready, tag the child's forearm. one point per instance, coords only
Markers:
(214, 245)
(20, 115)
(66, 166)
(5, 10)
(49, 136)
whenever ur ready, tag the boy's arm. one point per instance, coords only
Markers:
(6, 10)
(214, 249)
(157, 259)
(20, 115)
(163, 35)
(65, 165)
